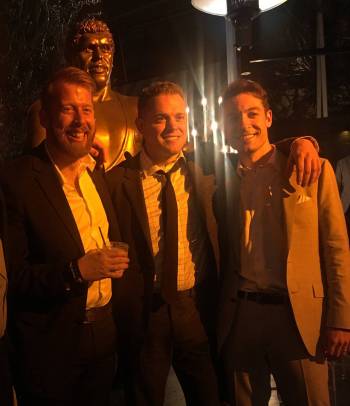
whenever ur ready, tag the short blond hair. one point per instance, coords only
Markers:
(156, 89)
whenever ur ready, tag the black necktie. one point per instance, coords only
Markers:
(170, 248)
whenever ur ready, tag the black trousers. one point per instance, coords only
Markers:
(6, 397)
(175, 336)
(92, 371)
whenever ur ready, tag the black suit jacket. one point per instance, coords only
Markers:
(45, 304)
(133, 298)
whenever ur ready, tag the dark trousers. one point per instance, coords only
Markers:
(6, 397)
(265, 340)
(175, 335)
(92, 372)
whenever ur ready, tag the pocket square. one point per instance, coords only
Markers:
(303, 199)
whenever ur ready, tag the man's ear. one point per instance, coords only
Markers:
(268, 118)
(139, 124)
(44, 119)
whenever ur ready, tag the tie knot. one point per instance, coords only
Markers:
(165, 176)
(163, 173)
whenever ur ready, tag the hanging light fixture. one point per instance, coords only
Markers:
(219, 7)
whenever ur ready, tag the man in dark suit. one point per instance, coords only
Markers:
(60, 218)
(166, 301)
(6, 396)
(160, 316)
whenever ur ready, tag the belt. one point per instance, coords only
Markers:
(263, 298)
(98, 313)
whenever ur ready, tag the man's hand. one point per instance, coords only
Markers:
(103, 263)
(98, 152)
(305, 157)
(337, 342)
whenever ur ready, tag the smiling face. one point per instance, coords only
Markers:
(163, 125)
(246, 124)
(69, 122)
(95, 56)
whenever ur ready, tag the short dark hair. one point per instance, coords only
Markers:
(246, 86)
(156, 89)
(66, 75)
(89, 25)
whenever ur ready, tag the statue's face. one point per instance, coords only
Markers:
(95, 56)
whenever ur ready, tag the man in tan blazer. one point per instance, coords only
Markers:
(285, 297)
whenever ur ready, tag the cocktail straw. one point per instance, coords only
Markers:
(103, 239)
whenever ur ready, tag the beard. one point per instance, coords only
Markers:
(72, 142)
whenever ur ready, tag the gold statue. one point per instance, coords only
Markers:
(91, 47)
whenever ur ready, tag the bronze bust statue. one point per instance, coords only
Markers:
(90, 46)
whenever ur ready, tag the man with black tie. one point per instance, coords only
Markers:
(166, 302)
(60, 218)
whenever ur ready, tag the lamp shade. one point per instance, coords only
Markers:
(266, 5)
(219, 7)
(216, 7)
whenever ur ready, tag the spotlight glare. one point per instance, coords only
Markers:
(194, 132)
(204, 101)
(220, 101)
(187, 109)
(214, 126)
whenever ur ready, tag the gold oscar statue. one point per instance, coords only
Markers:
(90, 46)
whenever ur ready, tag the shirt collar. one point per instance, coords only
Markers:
(272, 162)
(86, 162)
(149, 168)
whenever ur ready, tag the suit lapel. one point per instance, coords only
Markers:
(290, 193)
(50, 185)
(133, 189)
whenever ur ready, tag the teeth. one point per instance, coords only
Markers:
(77, 135)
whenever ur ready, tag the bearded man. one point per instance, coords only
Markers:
(60, 218)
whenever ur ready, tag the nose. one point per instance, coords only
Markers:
(243, 121)
(171, 123)
(78, 117)
(97, 54)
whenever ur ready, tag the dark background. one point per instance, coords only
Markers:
(169, 39)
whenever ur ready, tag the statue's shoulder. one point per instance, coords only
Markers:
(123, 98)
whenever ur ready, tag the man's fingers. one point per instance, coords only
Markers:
(115, 274)
(116, 263)
(307, 171)
(300, 169)
(338, 343)
(315, 170)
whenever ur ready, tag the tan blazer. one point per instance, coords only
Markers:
(318, 259)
